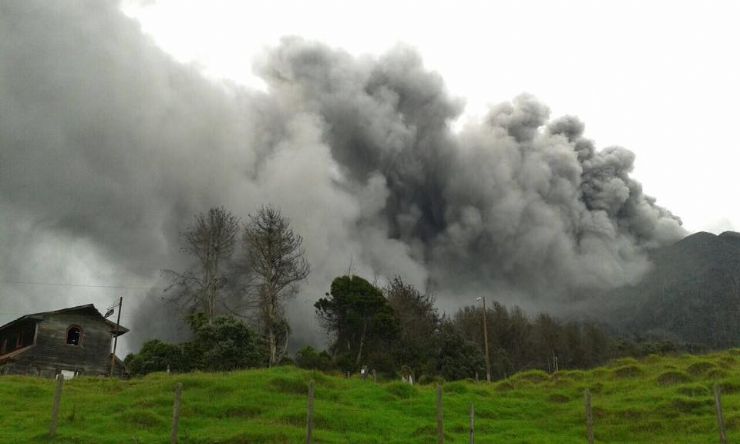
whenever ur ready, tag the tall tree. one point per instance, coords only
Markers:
(358, 317)
(276, 263)
(458, 358)
(210, 239)
(419, 324)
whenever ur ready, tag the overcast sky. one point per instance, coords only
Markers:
(659, 78)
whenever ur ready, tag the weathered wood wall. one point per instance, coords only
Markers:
(51, 353)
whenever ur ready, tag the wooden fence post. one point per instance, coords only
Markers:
(375, 376)
(176, 413)
(440, 417)
(309, 414)
(720, 415)
(472, 424)
(55, 406)
(589, 417)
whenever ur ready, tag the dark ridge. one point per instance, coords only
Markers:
(732, 236)
(691, 294)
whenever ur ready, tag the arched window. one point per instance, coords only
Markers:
(73, 335)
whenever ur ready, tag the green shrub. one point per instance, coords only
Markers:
(691, 405)
(504, 386)
(534, 376)
(427, 380)
(699, 368)
(627, 371)
(456, 387)
(693, 390)
(673, 377)
(558, 398)
(289, 385)
(401, 390)
(716, 373)
(623, 361)
(729, 387)
(141, 418)
(311, 359)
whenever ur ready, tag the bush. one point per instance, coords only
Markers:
(157, 356)
(224, 344)
(701, 367)
(673, 377)
(533, 376)
(627, 371)
(427, 380)
(458, 358)
(401, 390)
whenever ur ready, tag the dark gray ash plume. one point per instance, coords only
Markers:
(108, 147)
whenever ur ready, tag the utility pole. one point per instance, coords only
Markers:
(485, 340)
(115, 337)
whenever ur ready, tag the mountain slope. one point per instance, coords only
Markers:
(692, 294)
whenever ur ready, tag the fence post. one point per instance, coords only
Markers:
(472, 424)
(55, 405)
(176, 413)
(589, 417)
(375, 376)
(440, 417)
(720, 415)
(309, 414)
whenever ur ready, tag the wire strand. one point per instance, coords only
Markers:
(62, 284)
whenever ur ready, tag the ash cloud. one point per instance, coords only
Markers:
(108, 147)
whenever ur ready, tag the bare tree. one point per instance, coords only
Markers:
(276, 262)
(210, 239)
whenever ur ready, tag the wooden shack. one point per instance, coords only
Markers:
(71, 341)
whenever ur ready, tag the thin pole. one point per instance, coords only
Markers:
(485, 341)
(440, 417)
(115, 337)
(55, 406)
(472, 424)
(589, 417)
(720, 415)
(176, 413)
(309, 414)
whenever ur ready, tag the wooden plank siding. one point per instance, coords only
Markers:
(50, 353)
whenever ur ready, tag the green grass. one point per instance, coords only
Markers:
(655, 400)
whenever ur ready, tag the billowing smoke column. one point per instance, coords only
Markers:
(107, 148)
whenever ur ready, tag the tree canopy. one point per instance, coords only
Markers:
(358, 317)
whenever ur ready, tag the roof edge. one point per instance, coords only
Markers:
(116, 329)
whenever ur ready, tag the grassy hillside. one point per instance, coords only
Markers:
(657, 400)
